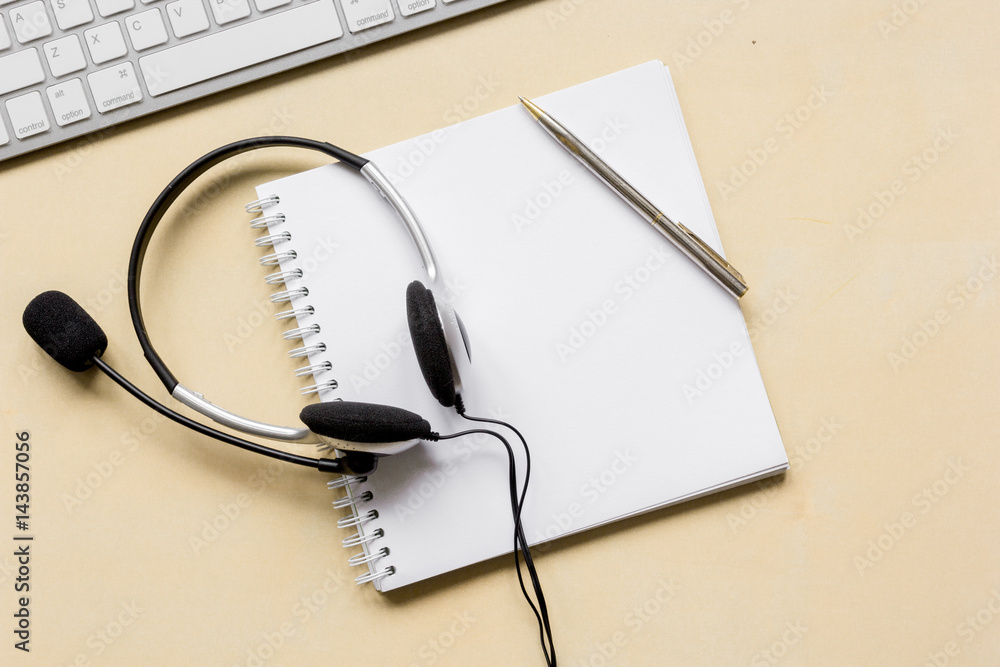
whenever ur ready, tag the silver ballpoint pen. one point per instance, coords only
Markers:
(682, 237)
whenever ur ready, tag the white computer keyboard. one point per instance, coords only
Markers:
(72, 67)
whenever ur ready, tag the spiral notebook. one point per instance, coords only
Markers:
(628, 369)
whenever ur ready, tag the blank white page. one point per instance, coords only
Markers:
(585, 324)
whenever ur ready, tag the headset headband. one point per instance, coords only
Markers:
(170, 194)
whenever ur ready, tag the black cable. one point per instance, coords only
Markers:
(323, 465)
(543, 618)
(520, 541)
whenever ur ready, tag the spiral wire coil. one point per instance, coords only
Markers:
(369, 554)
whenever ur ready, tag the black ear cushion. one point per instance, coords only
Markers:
(364, 422)
(429, 343)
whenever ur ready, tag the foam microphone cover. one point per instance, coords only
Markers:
(64, 330)
(364, 422)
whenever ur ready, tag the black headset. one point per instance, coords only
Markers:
(364, 429)
(359, 433)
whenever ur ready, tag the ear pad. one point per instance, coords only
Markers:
(364, 422)
(429, 343)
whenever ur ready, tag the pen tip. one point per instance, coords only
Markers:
(531, 107)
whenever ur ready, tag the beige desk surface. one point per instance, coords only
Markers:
(876, 338)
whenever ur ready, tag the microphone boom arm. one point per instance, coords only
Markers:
(323, 465)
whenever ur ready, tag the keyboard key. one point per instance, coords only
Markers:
(146, 30)
(364, 14)
(264, 5)
(30, 22)
(187, 17)
(115, 87)
(410, 7)
(68, 102)
(27, 115)
(4, 138)
(112, 7)
(105, 42)
(20, 70)
(72, 13)
(227, 11)
(248, 44)
(65, 55)
(4, 37)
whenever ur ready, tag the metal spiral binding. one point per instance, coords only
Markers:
(295, 313)
(362, 538)
(375, 576)
(301, 332)
(369, 554)
(259, 205)
(306, 350)
(362, 558)
(357, 519)
(271, 239)
(267, 220)
(276, 258)
(288, 295)
(283, 277)
(312, 370)
(348, 501)
(345, 480)
(319, 386)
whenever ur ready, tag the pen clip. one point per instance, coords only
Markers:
(707, 248)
